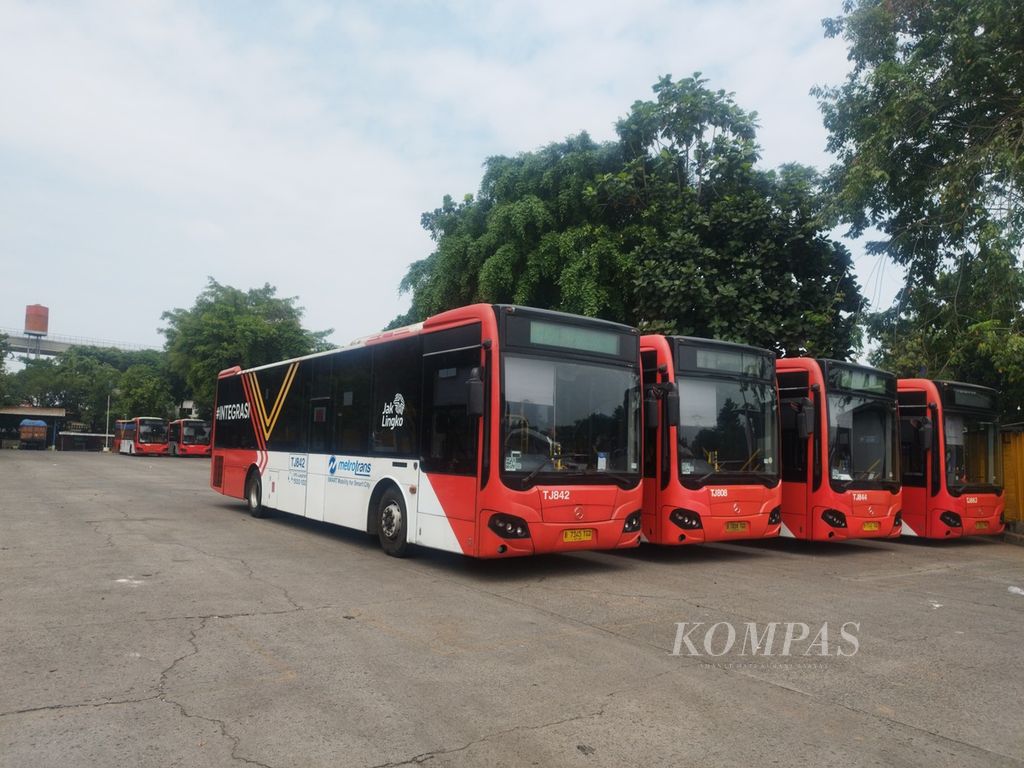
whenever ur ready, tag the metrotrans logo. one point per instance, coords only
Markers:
(348, 466)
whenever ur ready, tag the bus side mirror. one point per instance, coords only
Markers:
(475, 393)
(805, 419)
(672, 403)
(925, 434)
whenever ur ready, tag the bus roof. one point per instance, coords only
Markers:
(440, 319)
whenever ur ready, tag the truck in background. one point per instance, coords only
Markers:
(32, 434)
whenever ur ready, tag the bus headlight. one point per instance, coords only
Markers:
(775, 516)
(633, 523)
(509, 526)
(897, 520)
(952, 519)
(834, 517)
(686, 519)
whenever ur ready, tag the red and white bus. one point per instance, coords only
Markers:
(950, 459)
(491, 431)
(141, 436)
(840, 460)
(711, 469)
(188, 437)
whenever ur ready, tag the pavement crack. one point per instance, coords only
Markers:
(183, 710)
(425, 756)
(250, 571)
(79, 705)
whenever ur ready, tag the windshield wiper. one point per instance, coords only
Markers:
(613, 475)
(526, 480)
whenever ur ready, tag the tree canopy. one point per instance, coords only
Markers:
(227, 326)
(928, 130)
(672, 227)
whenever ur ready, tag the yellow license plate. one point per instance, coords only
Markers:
(578, 534)
(871, 525)
(979, 524)
(736, 526)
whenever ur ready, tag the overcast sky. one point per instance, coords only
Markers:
(147, 145)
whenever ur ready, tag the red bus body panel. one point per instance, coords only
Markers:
(723, 509)
(870, 514)
(981, 513)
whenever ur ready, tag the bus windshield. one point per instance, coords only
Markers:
(726, 427)
(570, 418)
(972, 451)
(861, 441)
(195, 433)
(152, 432)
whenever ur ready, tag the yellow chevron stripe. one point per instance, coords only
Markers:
(261, 409)
(286, 385)
(269, 421)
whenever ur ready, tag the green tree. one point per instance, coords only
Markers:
(36, 383)
(722, 248)
(144, 392)
(928, 130)
(671, 228)
(226, 327)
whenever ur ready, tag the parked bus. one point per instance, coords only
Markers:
(188, 437)
(487, 430)
(141, 436)
(121, 429)
(840, 461)
(711, 470)
(950, 458)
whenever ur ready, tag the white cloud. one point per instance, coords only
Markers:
(148, 145)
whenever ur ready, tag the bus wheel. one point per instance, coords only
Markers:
(391, 523)
(254, 495)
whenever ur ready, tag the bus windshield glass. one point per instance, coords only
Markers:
(568, 418)
(195, 433)
(972, 451)
(152, 432)
(862, 437)
(726, 427)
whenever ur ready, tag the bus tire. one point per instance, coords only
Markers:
(392, 523)
(254, 495)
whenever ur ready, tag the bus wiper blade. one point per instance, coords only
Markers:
(613, 475)
(526, 480)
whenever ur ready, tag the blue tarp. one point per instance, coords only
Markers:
(32, 423)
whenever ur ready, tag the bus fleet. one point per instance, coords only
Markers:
(500, 431)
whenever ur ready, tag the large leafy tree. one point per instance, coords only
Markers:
(227, 326)
(719, 247)
(143, 391)
(928, 129)
(672, 228)
(82, 379)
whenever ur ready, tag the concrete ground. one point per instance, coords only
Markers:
(147, 621)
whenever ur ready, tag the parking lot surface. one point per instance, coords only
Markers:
(148, 621)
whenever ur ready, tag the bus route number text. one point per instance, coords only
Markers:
(555, 495)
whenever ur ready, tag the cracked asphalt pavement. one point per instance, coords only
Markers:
(148, 621)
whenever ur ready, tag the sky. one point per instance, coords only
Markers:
(146, 145)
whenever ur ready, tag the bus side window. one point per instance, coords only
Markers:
(449, 432)
(395, 407)
(650, 378)
(792, 396)
(350, 391)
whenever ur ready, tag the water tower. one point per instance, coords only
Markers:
(37, 323)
